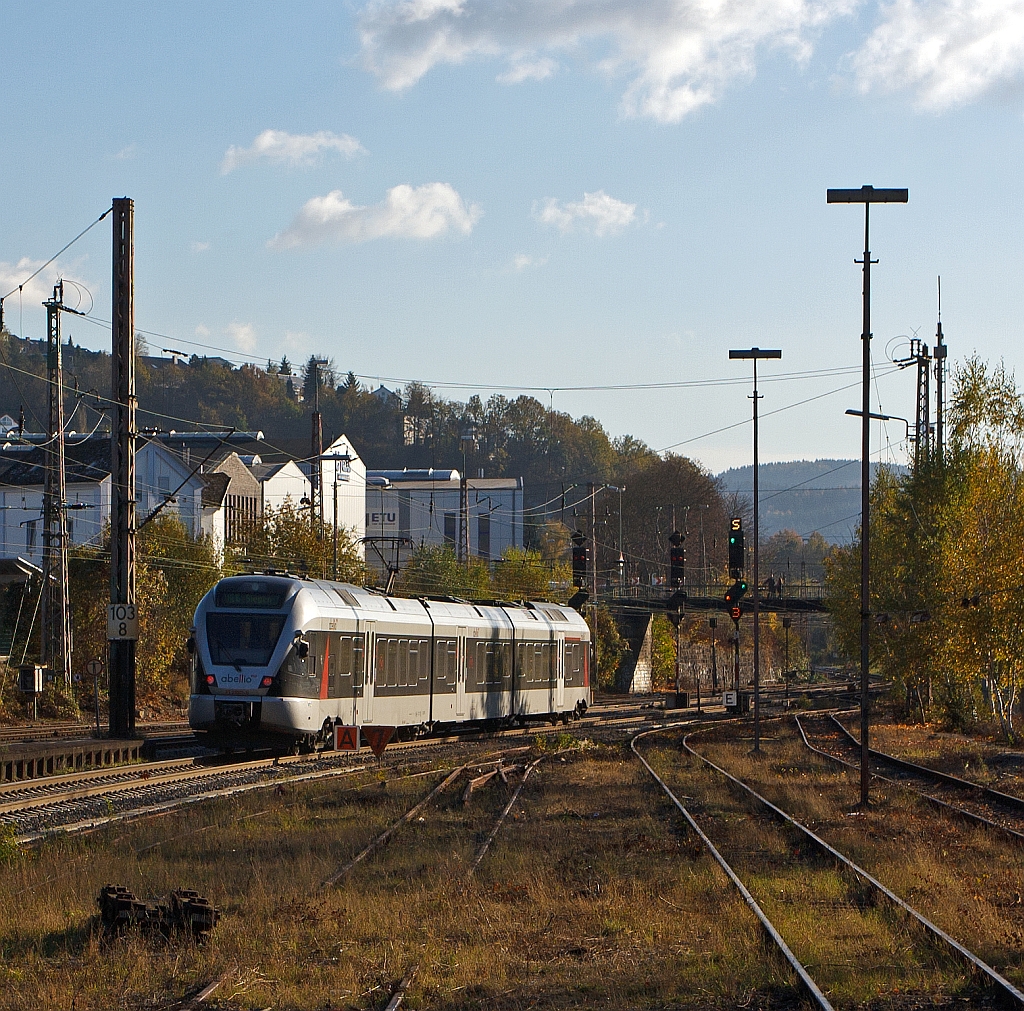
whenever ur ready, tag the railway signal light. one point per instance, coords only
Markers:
(579, 559)
(737, 590)
(677, 559)
(736, 565)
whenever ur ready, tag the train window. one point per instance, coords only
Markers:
(445, 660)
(535, 662)
(391, 667)
(357, 661)
(257, 593)
(243, 640)
(503, 652)
(574, 664)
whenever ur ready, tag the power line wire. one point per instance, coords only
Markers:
(35, 273)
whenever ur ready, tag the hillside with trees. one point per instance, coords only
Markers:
(555, 454)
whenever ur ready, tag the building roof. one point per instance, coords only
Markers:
(86, 462)
(265, 471)
(215, 488)
(429, 474)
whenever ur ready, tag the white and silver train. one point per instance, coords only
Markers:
(285, 658)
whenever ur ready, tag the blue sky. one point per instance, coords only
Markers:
(533, 193)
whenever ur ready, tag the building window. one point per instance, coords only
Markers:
(449, 528)
(483, 536)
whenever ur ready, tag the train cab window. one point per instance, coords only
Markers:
(243, 640)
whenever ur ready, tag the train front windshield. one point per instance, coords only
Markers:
(243, 640)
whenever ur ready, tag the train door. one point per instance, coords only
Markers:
(559, 671)
(460, 674)
(369, 669)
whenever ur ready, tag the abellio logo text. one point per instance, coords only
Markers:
(235, 679)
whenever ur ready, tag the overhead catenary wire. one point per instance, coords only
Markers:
(59, 252)
(237, 355)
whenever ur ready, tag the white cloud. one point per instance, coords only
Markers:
(676, 55)
(243, 334)
(294, 149)
(199, 247)
(202, 331)
(596, 212)
(521, 261)
(35, 291)
(528, 70)
(949, 52)
(414, 212)
(126, 153)
(298, 342)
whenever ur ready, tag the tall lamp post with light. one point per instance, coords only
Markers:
(866, 195)
(753, 354)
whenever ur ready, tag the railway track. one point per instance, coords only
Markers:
(72, 731)
(77, 802)
(973, 802)
(793, 854)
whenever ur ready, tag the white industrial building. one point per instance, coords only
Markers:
(161, 477)
(411, 508)
(343, 480)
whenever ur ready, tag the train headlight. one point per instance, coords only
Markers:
(267, 681)
(210, 679)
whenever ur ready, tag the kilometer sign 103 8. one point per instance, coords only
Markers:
(122, 621)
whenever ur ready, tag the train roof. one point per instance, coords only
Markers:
(276, 586)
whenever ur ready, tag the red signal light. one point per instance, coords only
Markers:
(736, 613)
(210, 679)
(267, 681)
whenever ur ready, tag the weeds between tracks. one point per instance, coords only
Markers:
(588, 893)
(964, 878)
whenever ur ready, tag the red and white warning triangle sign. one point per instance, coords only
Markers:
(378, 738)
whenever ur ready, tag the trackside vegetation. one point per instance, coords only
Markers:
(947, 563)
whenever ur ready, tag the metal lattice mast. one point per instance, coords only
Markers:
(122, 467)
(922, 447)
(940, 384)
(56, 618)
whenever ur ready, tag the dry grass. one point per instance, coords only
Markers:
(981, 761)
(964, 878)
(591, 894)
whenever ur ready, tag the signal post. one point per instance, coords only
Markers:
(732, 597)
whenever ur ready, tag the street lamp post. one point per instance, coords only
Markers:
(866, 195)
(754, 354)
